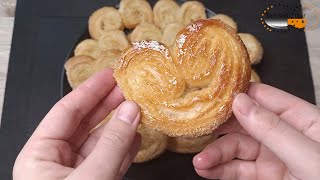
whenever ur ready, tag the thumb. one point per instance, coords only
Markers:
(105, 160)
(277, 135)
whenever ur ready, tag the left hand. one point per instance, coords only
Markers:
(62, 147)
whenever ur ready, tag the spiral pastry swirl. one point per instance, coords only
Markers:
(187, 92)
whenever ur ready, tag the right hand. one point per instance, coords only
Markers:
(275, 136)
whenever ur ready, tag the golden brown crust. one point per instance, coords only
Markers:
(87, 47)
(253, 46)
(255, 77)
(189, 145)
(134, 12)
(165, 12)
(226, 19)
(146, 31)
(103, 20)
(208, 57)
(113, 40)
(191, 11)
(170, 33)
(81, 68)
(153, 144)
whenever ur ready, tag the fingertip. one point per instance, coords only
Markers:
(200, 161)
(243, 104)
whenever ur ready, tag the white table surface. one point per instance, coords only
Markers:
(6, 28)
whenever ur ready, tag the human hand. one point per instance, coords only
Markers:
(62, 147)
(275, 136)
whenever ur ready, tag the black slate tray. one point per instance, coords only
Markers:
(45, 31)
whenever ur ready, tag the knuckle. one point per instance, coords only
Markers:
(112, 138)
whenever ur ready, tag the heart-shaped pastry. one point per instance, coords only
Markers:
(189, 91)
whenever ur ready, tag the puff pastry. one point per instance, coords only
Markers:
(164, 13)
(170, 32)
(134, 12)
(87, 47)
(191, 11)
(189, 145)
(113, 40)
(226, 19)
(255, 77)
(208, 57)
(153, 144)
(81, 68)
(103, 20)
(146, 31)
(253, 46)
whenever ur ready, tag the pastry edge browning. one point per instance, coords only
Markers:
(208, 125)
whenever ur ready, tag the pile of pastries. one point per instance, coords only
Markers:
(114, 30)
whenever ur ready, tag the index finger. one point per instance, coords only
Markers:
(297, 112)
(65, 116)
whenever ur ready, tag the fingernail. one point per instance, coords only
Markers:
(244, 104)
(128, 112)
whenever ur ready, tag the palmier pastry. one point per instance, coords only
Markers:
(104, 19)
(153, 144)
(146, 31)
(113, 40)
(81, 68)
(134, 12)
(88, 47)
(208, 57)
(170, 32)
(191, 11)
(255, 77)
(189, 145)
(253, 46)
(226, 19)
(164, 13)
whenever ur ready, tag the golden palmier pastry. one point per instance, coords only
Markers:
(191, 11)
(208, 56)
(88, 47)
(134, 12)
(189, 145)
(170, 32)
(104, 19)
(164, 13)
(113, 40)
(153, 144)
(253, 46)
(81, 68)
(146, 31)
(226, 19)
(255, 77)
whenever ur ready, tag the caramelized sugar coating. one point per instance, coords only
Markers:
(103, 20)
(208, 57)
(189, 145)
